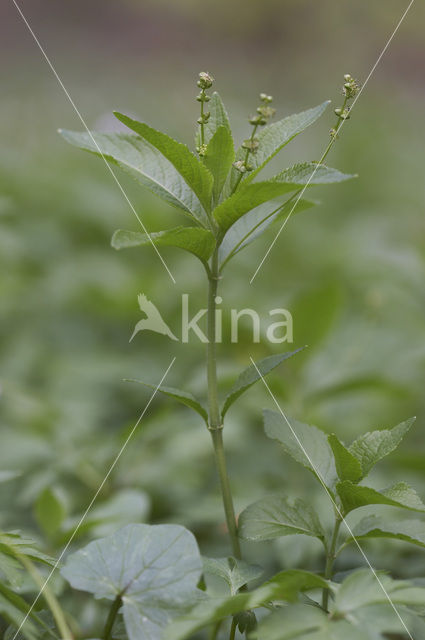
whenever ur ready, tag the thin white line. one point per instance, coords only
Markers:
(337, 509)
(91, 136)
(83, 517)
(333, 140)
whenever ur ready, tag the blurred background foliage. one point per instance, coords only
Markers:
(351, 271)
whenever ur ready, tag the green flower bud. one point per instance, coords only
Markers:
(202, 97)
(250, 144)
(205, 80)
(240, 166)
(202, 150)
(343, 114)
(258, 120)
(266, 112)
(265, 98)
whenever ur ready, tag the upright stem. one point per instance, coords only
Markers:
(116, 605)
(330, 559)
(215, 422)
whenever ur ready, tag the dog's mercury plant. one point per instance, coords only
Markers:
(154, 576)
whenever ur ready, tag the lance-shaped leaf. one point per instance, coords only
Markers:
(307, 444)
(218, 159)
(246, 198)
(181, 396)
(284, 586)
(412, 531)
(196, 240)
(218, 118)
(373, 446)
(236, 573)
(401, 494)
(347, 466)
(154, 569)
(311, 173)
(252, 374)
(193, 172)
(273, 138)
(277, 516)
(146, 164)
(254, 223)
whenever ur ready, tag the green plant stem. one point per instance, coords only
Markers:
(330, 559)
(49, 597)
(202, 118)
(337, 127)
(254, 131)
(111, 617)
(232, 630)
(215, 421)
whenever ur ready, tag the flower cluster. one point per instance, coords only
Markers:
(350, 89)
(263, 115)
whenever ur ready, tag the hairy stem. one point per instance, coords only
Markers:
(111, 617)
(330, 559)
(215, 422)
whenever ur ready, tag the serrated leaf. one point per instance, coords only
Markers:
(311, 173)
(50, 511)
(284, 586)
(254, 223)
(184, 397)
(154, 568)
(247, 197)
(276, 516)
(146, 164)
(252, 374)
(14, 545)
(196, 176)
(218, 118)
(412, 531)
(196, 240)
(273, 138)
(347, 466)
(398, 495)
(375, 445)
(218, 159)
(236, 573)
(309, 446)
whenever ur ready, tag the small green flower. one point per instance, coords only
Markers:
(205, 80)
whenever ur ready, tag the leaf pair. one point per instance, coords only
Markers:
(247, 379)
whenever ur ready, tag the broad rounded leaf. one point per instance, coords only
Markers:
(196, 240)
(154, 569)
(307, 444)
(401, 494)
(252, 374)
(276, 516)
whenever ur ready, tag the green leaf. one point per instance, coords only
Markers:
(310, 447)
(347, 466)
(155, 570)
(247, 197)
(254, 223)
(252, 374)
(218, 118)
(362, 588)
(373, 446)
(236, 573)
(276, 516)
(14, 609)
(218, 159)
(412, 531)
(144, 163)
(311, 173)
(284, 586)
(50, 511)
(196, 240)
(181, 396)
(286, 623)
(398, 495)
(273, 138)
(196, 176)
